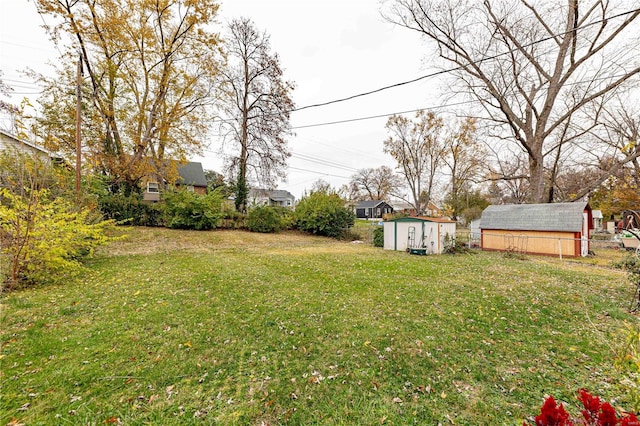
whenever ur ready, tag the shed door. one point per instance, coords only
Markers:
(584, 238)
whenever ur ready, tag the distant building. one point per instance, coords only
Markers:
(373, 209)
(270, 197)
(190, 176)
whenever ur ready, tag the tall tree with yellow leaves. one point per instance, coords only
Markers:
(150, 70)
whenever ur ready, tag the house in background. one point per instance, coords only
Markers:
(13, 144)
(190, 176)
(373, 209)
(270, 197)
(408, 209)
(427, 235)
(558, 229)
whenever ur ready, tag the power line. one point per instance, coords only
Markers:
(371, 117)
(487, 58)
(470, 101)
(323, 162)
(359, 152)
(317, 172)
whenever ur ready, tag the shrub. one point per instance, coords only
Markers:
(323, 213)
(265, 219)
(453, 245)
(131, 210)
(187, 210)
(378, 237)
(45, 238)
(231, 219)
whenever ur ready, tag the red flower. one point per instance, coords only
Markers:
(607, 416)
(552, 414)
(630, 420)
(591, 406)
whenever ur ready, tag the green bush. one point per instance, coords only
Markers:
(378, 237)
(131, 210)
(265, 219)
(187, 210)
(232, 219)
(44, 239)
(323, 213)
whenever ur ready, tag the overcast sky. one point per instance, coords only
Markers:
(331, 49)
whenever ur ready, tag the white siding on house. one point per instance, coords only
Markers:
(10, 143)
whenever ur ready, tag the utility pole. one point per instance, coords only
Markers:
(78, 124)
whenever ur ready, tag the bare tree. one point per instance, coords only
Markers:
(619, 136)
(534, 66)
(418, 148)
(257, 105)
(375, 184)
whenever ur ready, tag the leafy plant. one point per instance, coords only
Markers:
(378, 237)
(131, 210)
(45, 239)
(265, 219)
(323, 213)
(452, 245)
(187, 210)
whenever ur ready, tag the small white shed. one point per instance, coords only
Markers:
(418, 232)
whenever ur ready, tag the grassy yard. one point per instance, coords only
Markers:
(175, 327)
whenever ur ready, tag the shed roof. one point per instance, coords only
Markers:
(563, 217)
(192, 174)
(422, 219)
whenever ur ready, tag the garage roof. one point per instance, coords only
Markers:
(563, 217)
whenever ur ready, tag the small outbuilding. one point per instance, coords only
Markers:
(559, 229)
(426, 235)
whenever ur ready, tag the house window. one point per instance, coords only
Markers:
(378, 212)
(190, 188)
(152, 187)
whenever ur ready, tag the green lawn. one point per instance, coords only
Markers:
(222, 327)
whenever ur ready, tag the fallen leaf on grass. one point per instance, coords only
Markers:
(169, 390)
(397, 400)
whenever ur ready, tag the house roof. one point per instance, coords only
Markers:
(272, 194)
(192, 174)
(564, 217)
(597, 214)
(422, 219)
(22, 141)
(367, 204)
(280, 195)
